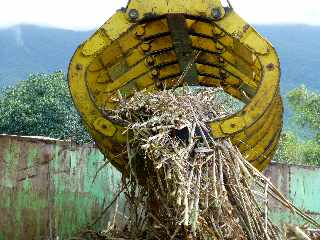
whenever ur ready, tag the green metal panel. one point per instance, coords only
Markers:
(300, 184)
(305, 188)
(47, 189)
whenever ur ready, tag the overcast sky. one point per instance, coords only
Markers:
(89, 14)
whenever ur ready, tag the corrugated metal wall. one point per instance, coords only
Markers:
(47, 188)
(301, 185)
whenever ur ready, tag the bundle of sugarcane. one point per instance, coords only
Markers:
(183, 183)
(294, 232)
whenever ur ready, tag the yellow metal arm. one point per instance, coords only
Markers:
(149, 46)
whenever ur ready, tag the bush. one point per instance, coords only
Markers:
(306, 116)
(41, 106)
(296, 151)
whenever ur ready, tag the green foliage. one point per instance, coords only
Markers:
(306, 105)
(296, 151)
(41, 106)
(293, 149)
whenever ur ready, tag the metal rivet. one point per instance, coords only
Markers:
(79, 67)
(154, 72)
(216, 13)
(145, 47)
(133, 14)
(140, 31)
(270, 67)
(150, 61)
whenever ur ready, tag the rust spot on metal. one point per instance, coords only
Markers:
(79, 67)
(270, 66)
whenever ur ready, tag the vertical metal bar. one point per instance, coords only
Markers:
(183, 47)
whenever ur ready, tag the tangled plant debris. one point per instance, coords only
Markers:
(182, 183)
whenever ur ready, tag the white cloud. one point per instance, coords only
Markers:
(279, 11)
(71, 14)
(75, 14)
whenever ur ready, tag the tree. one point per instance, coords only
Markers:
(306, 115)
(297, 151)
(41, 106)
(306, 106)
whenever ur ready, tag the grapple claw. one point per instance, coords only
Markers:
(152, 43)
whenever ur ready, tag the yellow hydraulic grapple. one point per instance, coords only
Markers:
(152, 44)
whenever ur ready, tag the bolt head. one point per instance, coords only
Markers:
(270, 66)
(145, 47)
(216, 13)
(140, 31)
(155, 73)
(79, 67)
(133, 14)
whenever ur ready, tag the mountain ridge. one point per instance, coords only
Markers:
(26, 49)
